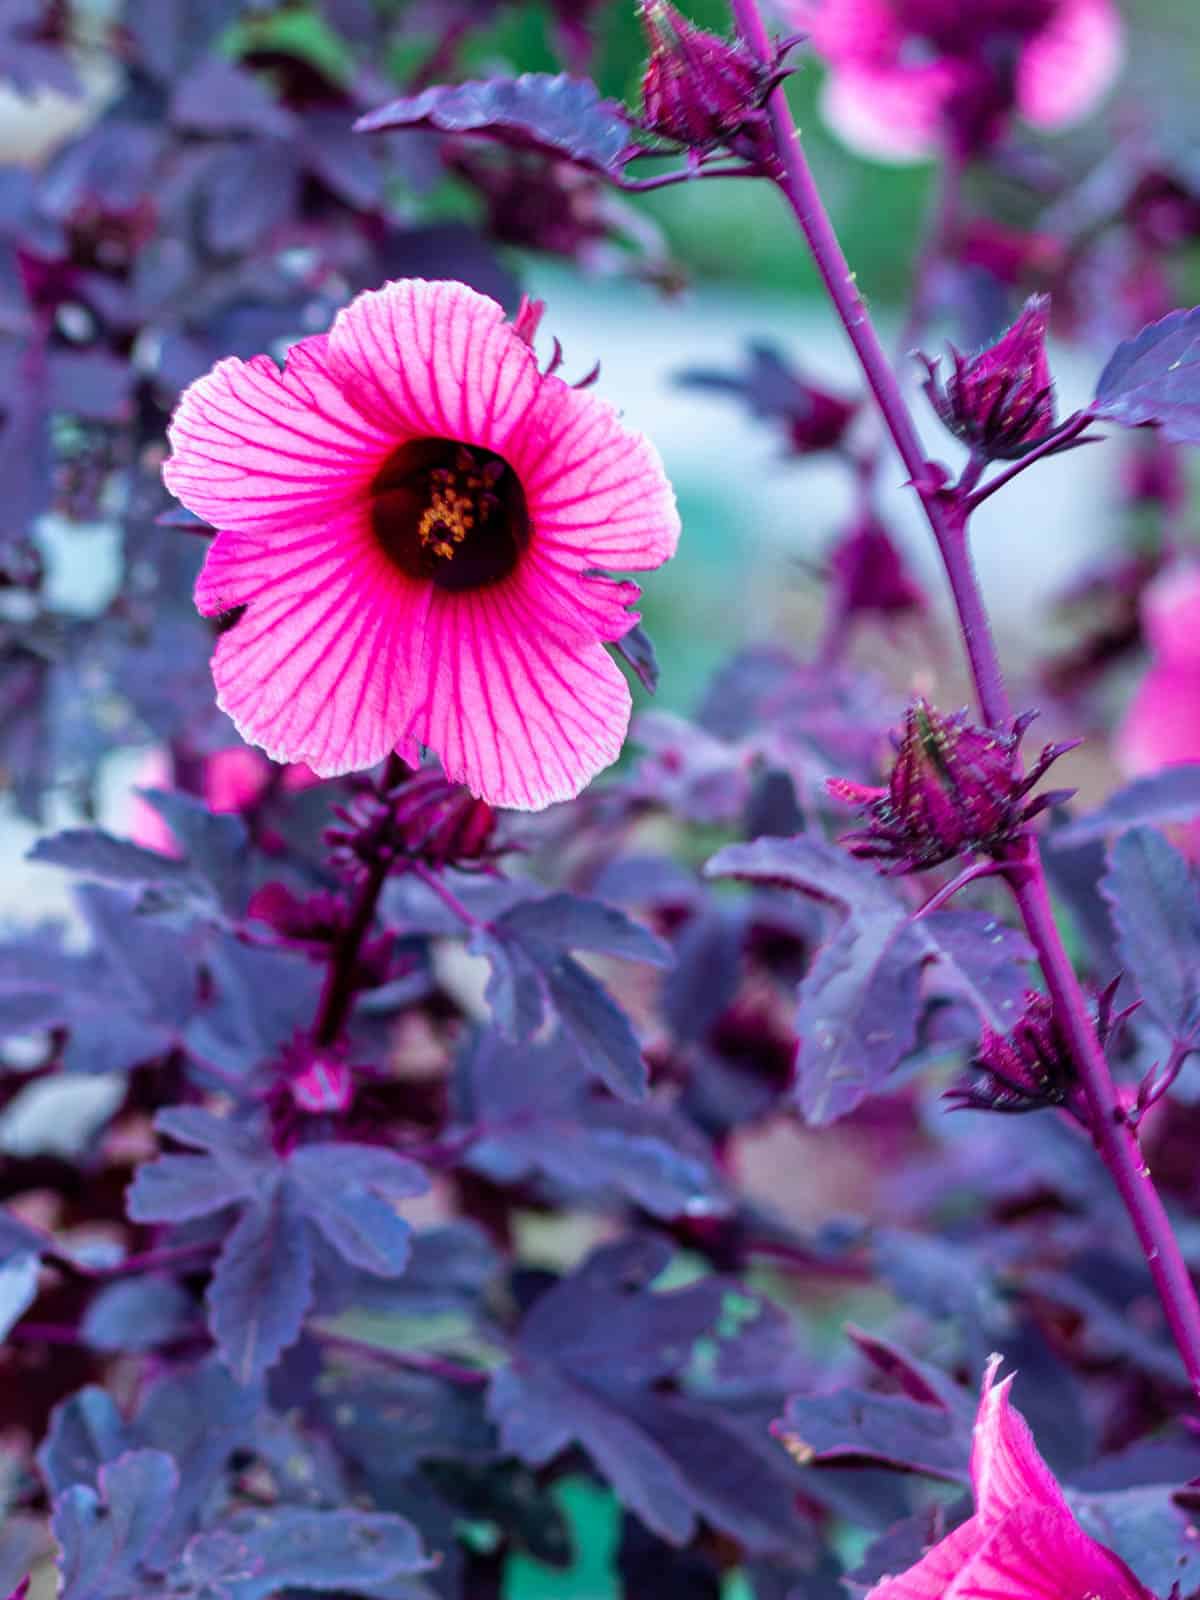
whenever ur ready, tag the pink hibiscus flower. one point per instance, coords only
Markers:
(415, 526)
(1162, 726)
(1023, 1543)
(908, 76)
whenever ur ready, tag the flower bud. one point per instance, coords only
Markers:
(869, 574)
(1031, 1067)
(700, 90)
(1001, 401)
(955, 789)
(424, 818)
(1025, 1070)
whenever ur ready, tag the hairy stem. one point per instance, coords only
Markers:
(947, 512)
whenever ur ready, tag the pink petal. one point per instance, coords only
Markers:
(517, 715)
(322, 669)
(932, 1576)
(1171, 614)
(1006, 1469)
(261, 451)
(1044, 1555)
(889, 114)
(598, 495)
(434, 360)
(144, 825)
(846, 31)
(1072, 62)
(1162, 726)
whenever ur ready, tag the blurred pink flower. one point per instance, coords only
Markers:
(908, 77)
(1162, 726)
(416, 523)
(234, 781)
(1023, 1543)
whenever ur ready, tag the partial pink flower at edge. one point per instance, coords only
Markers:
(415, 518)
(891, 87)
(1023, 1541)
(1161, 728)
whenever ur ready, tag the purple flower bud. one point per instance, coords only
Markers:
(1031, 1067)
(869, 573)
(1001, 401)
(1025, 1070)
(700, 90)
(425, 818)
(955, 789)
(325, 1084)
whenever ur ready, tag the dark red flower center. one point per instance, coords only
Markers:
(450, 512)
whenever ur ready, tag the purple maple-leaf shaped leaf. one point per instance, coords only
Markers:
(123, 1002)
(210, 878)
(557, 115)
(534, 976)
(291, 1548)
(336, 1196)
(1172, 795)
(862, 999)
(538, 1117)
(1154, 898)
(586, 1368)
(1155, 378)
(105, 1534)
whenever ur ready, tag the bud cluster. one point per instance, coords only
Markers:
(423, 818)
(955, 789)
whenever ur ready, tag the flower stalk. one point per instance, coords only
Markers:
(947, 510)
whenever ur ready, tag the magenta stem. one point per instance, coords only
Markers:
(406, 1360)
(947, 511)
(1066, 433)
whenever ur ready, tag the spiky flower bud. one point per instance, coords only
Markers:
(1031, 1067)
(1025, 1070)
(1001, 401)
(702, 91)
(955, 789)
(425, 818)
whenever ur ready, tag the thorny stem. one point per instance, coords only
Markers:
(1112, 1129)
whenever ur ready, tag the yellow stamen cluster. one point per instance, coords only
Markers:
(450, 515)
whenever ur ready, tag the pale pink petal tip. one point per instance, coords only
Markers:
(1071, 64)
(1006, 1470)
(415, 524)
(1023, 1543)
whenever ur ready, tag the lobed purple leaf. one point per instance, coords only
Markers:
(1154, 378)
(558, 116)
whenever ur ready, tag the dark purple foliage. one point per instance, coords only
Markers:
(385, 1176)
(560, 116)
(1152, 378)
